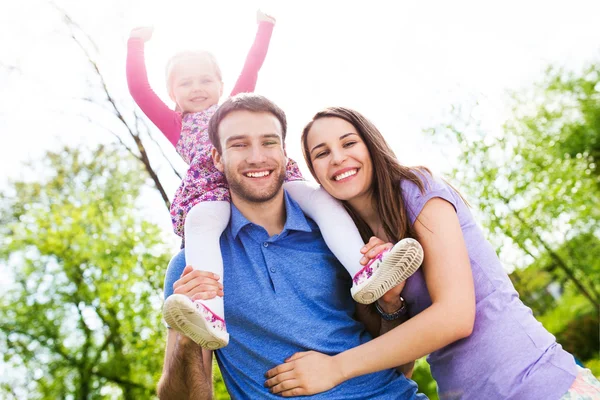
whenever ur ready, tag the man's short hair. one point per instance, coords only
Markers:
(244, 102)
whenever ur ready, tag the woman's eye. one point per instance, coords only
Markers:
(349, 144)
(321, 154)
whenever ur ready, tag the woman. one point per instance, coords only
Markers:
(483, 341)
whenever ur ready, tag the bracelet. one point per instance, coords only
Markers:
(396, 314)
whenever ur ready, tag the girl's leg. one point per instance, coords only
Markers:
(336, 225)
(384, 272)
(202, 320)
(204, 224)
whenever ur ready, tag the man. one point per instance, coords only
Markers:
(286, 292)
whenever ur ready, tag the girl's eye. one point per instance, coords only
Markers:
(321, 154)
(349, 144)
(238, 145)
(206, 81)
(185, 83)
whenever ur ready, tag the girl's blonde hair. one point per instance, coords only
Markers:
(185, 56)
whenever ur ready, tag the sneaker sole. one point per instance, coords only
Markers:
(398, 266)
(176, 311)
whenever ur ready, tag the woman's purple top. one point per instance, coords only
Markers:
(509, 355)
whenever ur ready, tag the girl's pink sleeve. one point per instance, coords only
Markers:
(167, 120)
(254, 61)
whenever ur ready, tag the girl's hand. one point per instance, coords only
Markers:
(304, 374)
(142, 32)
(262, 17)
(198, 285)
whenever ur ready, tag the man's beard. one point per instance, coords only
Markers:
(248, 192)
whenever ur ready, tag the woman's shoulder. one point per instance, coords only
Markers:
(424, 186)
(423, 182)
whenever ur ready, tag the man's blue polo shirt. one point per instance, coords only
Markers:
(284, 294)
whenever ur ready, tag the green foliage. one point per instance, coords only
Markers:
(422, 375)
(219, 389)
(82, 319)
(536, 185)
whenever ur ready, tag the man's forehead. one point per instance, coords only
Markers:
(243, 122)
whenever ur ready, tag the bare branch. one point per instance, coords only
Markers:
(141, 121)
(75, 30)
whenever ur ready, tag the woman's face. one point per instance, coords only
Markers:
(340, 158)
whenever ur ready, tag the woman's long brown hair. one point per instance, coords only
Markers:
(387, 175)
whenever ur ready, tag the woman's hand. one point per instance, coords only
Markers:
(390, 301)
(142, 32)
(304, 374)
(372, 248)
(198, 285)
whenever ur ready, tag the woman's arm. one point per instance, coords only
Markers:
(449, 280)
(450, 317)
(256, 56)
(167, 120)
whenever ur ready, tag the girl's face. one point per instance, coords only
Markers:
(340, 159)
(195, 85)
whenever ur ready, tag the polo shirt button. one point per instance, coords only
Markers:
(266, 244)
(273, 270)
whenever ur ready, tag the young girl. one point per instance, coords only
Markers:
(201, 206)
(482, 341)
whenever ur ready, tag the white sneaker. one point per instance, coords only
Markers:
(387, 270)
(196, 321)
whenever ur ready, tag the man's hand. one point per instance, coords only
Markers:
(198, 285)
(304, 374)
(142, 32)
(262, 17)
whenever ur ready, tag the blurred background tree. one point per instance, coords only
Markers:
(83, 318)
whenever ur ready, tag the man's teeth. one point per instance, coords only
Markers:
(345, 175)
(258, 174)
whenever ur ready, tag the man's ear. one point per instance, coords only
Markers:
(217, 159)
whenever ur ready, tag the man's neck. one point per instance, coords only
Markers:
(269, 214)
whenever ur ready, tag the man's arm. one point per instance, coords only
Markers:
(187, 370)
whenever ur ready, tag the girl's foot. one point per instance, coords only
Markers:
(196, 321)
(387, 270)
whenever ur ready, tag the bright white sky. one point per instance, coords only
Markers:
(403, 64)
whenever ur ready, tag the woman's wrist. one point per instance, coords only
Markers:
(390, 307)
(345, 366)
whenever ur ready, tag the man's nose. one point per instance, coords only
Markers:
(256, 155)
